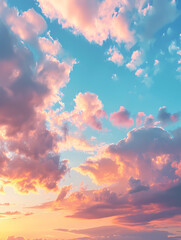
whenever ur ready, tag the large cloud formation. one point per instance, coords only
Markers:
(29, 151)
(145, 170)
(98, 20)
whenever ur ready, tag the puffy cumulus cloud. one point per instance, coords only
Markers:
(136, 60)
(28, 25)
(139, 118)
(146, 205)
(149, 121)
(121, 118)
(27, 174)
(55, 75)
(88, 111)
(115, 56)
(116, 233)
(96, 20)
(20, 93)
(120, 30)
(146, 154)
(151, 151)
(166, 118)
(139, 72)
(29, 151)
(99, 20)
(49, 46)
(139, 205)
(78, 143)
(103, 171)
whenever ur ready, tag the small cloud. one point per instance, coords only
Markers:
(114, 77)
(115, 56)
(156, 62)
(136, 60)
(121, 118)
(173, 47)
(139, 72)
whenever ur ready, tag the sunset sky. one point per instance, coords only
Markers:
(90, 119)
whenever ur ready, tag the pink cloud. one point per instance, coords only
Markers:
(136, 60)
(139, 72)
(121, 118)
(90, 108)
(120, 30)
(51, 47)
(139, 118)
(103, 171)
(28, 25)
(149, 121)
(30, 88)
(166, 118)
(15, 238)
(143, 154)
(156, 62)
(78, 143)
(115, 56)
(26, 174)
(94, 19)
(63, 192)
(88, 111)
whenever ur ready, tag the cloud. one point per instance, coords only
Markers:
(114, 77)
(95, 20)
(163, 10)
(146, 154)
(15, 238)
(115, 56)
(49, 46)
(88, 111)
(149, 121)
(103, 171)
(166, 118)
(99, 20)
(156, 62)
(90, 108)
(116, 233)
(136, 186)
(63, 192)
(28, 25)
(121, 118)
(136, 60)
(139, 72)
(139, 118)
(28, 87)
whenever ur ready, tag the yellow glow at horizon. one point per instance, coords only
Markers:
(43, 225)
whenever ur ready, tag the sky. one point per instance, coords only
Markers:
(90, 119)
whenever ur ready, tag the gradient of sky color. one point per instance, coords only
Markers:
(90, 119)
